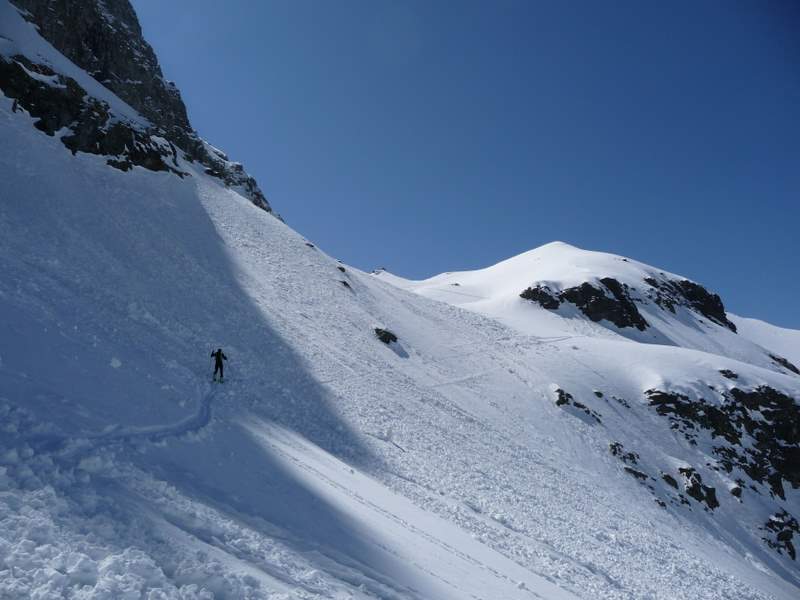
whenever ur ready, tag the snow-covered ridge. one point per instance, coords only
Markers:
(558, 285)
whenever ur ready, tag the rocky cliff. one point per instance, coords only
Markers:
(104, 38)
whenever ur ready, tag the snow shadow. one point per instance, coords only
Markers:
(123, 289)
(398, 349)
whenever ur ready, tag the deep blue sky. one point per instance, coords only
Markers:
(432, 136)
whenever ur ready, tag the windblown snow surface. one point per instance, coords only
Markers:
(329, 464)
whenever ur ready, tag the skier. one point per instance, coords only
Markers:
(218, 366)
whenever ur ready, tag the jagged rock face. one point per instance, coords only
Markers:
(597, 305)
(781, 528)
(611, 302)
(669, 293)
(103, 37)
(617, 302)
(60, 103)
(753, 436)
(543, 295)
(761, 428)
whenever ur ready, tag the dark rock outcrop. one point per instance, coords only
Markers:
(782, 528)
(610, 302)
(618, 450)
(63, 104)
(384, 335)
(565, 399)
(596, 304)
(759, 431)
(784, 363)
(689, 414)
(613, 301)
(105, 40)
(693, 485)
(669, 293)
(542, 295)
(772, 419)
(670, 480)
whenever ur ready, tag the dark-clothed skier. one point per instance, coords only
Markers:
(218, 366)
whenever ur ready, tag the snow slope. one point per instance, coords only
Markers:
(112, 358)
(786, 342)
(495, 291)
(329, 465)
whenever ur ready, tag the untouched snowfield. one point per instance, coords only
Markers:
(329, 464)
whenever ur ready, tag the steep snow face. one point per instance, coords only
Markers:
(125, 473)
(464, 459)
(559, 289)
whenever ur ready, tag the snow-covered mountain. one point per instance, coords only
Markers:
(565, 424)
(599, 294)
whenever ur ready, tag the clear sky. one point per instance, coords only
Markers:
(429, 136)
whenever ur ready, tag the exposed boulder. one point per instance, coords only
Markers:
(782, 528)
(384, 335)
(693, 485)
